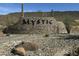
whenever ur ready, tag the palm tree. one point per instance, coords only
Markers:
(22, 10)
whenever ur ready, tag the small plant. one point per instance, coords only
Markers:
(68, 23)
(46, 35)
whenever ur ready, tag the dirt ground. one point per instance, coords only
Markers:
(52, 45)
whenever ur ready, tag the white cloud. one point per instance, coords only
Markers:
(29, 10)
(3, 9)
(6, 10)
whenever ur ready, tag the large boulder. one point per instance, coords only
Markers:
(61, 27)
(23, 47)
(33, 25)
(74, 30)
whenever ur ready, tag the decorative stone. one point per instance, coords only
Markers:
(23, 47)
(74, 30)
(33, 25)
(61, 27)
(20, 51)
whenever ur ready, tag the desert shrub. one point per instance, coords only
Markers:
(74, 52)
(72, 37)
(46, 35)
(68, 21)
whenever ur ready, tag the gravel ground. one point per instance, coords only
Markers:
(53, 45)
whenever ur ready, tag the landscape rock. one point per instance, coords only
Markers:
(61, 27)
(33, 25)
(23, 47)
(19, 51)
(74, 30)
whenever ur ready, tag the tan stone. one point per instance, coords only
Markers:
(20, 50)
(34, 25)
(74, 30)
(76, 21)
(23, 47)
(61, 27)
(28, 46)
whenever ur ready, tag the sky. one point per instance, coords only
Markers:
(6, 8)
